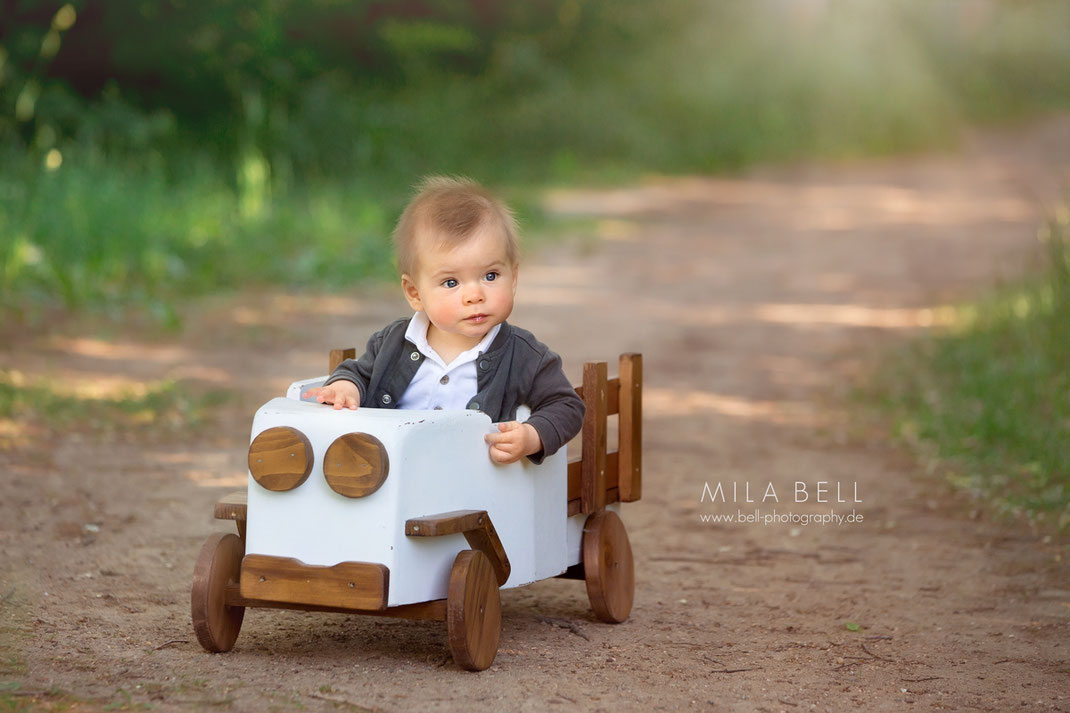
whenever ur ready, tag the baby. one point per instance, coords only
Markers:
(457, 253)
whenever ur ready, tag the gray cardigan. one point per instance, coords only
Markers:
(517, 369)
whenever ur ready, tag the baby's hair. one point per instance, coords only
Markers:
(452, 209)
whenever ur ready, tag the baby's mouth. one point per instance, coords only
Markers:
(477, 318)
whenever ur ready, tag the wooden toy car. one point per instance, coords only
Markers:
(402, 513)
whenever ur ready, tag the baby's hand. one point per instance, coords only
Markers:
(513, 441)
(343, 394)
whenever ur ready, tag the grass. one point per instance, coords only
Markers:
(988, 401)
(165, 405)
(13, 704)
(94, 235)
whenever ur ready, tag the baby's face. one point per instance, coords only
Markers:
(465, 290)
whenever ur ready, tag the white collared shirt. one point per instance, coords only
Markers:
(438, 385)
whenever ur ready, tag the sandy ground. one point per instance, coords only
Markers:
(756, 301)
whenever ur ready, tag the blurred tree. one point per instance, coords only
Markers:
(232, 73)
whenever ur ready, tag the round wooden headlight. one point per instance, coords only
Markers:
(356, 465)
(280, 458)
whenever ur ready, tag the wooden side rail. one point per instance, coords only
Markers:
(612, 394)
(600, 477)
(593, 460)
(631, 427)
(575, 477)
(340, 355)
(476, 527)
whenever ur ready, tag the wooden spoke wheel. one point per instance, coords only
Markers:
(607, 566)
(473, 611)
(219, 564)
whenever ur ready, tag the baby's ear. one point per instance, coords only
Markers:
(412, 295)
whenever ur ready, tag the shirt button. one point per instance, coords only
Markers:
(438, 408)
(484, 364)
(415, 356)
(445, 379)
(474, 406)
(386, 399)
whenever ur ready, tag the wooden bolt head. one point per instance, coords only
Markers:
(356, 465)
(280, 458)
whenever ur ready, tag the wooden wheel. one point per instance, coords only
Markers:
(218, 565)
(473, 611)
(607, 566)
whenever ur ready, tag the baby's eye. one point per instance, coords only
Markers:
(450, 283)
(491, 276)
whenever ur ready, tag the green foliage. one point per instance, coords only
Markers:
(318, 87)
(152, 150)
(990, 400)
(88, 234)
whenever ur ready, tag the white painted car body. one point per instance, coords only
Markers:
(438, 462)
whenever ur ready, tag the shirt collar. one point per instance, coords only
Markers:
(416, 333)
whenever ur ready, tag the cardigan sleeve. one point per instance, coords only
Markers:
(556, 410)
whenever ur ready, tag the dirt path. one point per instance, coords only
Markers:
(755, 301)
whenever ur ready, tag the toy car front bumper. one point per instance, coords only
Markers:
(359, 586)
